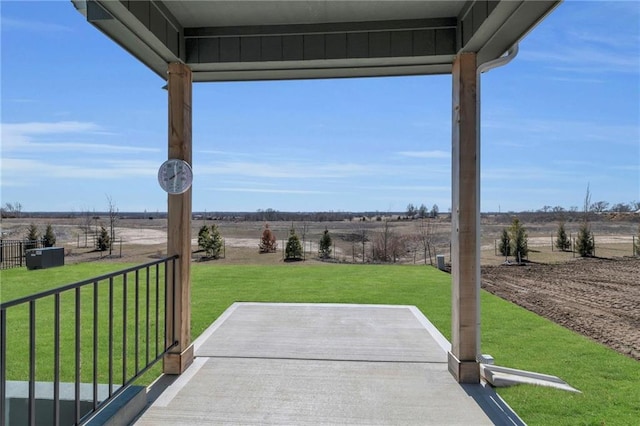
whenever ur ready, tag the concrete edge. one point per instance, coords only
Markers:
(172, 388)
(214, 326)
(496, 408)
(123, 409)
(433, 331)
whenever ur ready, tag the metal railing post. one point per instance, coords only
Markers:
(3, 364)
(32, 362)
(56, 360)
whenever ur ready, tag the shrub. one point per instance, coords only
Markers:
(637, 247)
(505, 244)
(562, 241)
(203, 237)
(103, 241)
(518, 237)
(32, 237)
(49, 239)
(267, 241)
(324, 250)
(293, 251)
(210, 241)
(584, 240)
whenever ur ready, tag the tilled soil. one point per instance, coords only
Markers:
(599, 298)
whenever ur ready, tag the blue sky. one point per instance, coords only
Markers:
(82, 121)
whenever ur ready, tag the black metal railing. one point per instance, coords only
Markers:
(95, 337)
(12, 252)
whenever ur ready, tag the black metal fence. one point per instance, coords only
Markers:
(102, 332)
(12, 252)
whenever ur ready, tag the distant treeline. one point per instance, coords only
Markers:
(260, 215)
(271, 215)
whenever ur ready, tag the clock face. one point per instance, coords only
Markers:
(175, 176)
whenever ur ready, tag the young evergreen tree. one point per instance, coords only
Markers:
(325, 245)
(103, 241)
(562, 241)
(584, 240)
(293, 251)
(518, 237)
(214, 244)
(32, 237)
(49, 239)
(203, 237)
(505, 244)
(267, 241)
(637, 247)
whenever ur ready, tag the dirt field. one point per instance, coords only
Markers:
(599, 298)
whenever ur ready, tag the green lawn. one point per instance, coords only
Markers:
(515, 337)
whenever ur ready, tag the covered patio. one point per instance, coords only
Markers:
(266, 363)
(209, 41)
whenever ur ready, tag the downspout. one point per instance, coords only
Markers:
(487, 66)
(498, 62)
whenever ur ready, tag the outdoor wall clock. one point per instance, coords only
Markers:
(175, 176)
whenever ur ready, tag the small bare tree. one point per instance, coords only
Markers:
(388, 246)
(113, 220)
(11, 210)
(86, 219)
(305, 229)
(425, 235)
(359, 237)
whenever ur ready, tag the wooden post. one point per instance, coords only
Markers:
(179, 224)
(465, 222)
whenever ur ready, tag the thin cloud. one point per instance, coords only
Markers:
(632, 167)
(9, 24)
(578, 80)
(133, 167)
(22, 100)
(419, 188)
(566, 130)
(92, 147)
(35, 128)
(425, 154)
(588, 52)
(35, 136)
(268, 191)
(608, 40)
(529, 174)
(286, 170)
(32, 170)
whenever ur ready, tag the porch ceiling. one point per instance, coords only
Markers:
(264, 40)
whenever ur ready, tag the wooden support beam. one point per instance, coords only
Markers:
(465, 222)
(179, 223)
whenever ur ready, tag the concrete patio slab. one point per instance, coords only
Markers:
(322, 364)
(326, 332)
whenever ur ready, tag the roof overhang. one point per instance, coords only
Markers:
(266, 40)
